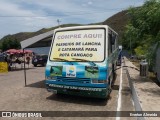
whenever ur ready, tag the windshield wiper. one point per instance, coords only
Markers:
(80, 59)
(84, 60)
(61, 59)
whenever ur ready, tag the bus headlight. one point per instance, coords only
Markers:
(102, 81)
(50, 77)
(99, 81)
(94, 81)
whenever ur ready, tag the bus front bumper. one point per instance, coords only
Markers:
(78, 90)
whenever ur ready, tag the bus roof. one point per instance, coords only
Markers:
(83, 27)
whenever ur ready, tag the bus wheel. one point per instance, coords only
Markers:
(111, 79)
(109, 89)
(35, 65)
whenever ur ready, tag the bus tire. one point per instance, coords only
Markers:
(113, 70)
(110, 81)
(35, 65)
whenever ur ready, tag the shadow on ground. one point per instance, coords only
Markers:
(78, 99)
(156, 81)
(139, 79)
(75, 99)
(71, 98)
(152, 91)
(20, 69)
(115, 87)
(147, 90)
(40, 84)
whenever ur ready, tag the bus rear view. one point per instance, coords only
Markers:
(79, 61)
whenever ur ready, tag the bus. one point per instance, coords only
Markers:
(82, 61)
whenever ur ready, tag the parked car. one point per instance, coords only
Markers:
(39, 60)
(2, 58)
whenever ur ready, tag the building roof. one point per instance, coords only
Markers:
(30, 41)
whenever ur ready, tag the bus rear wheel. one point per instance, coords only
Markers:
(110, 81)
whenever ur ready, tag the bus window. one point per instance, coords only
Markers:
(113, 41)
(109, 43)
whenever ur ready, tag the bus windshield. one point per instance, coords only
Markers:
(78, 45)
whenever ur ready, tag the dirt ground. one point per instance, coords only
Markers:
(34, 97)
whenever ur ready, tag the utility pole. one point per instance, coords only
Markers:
(58, 21)
(130, 46)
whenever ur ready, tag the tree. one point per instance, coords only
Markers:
(143, 30)
(0, 46)
(10, 43)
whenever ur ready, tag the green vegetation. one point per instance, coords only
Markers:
(143, 30)
(9, 43)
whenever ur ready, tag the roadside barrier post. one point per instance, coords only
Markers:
(25, 69)
(143, 68)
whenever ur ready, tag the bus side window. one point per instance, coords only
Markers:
(109, 44)
(113, 42)
(116, 45)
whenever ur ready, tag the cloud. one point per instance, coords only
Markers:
(90, 3)
(32, 15)
(14, 18)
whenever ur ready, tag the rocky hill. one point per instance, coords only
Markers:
(25, 35)
(117, 22)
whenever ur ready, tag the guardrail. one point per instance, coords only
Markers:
(135, 99)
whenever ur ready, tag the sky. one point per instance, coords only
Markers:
(32, 15)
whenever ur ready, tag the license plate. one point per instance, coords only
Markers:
(54, 91)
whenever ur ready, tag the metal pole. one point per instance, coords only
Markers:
(130, 47)
(58, 22)
(24, 69)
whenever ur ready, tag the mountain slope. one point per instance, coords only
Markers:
(118, 22)
(25, 35)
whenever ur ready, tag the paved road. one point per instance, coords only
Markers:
(34, 97)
